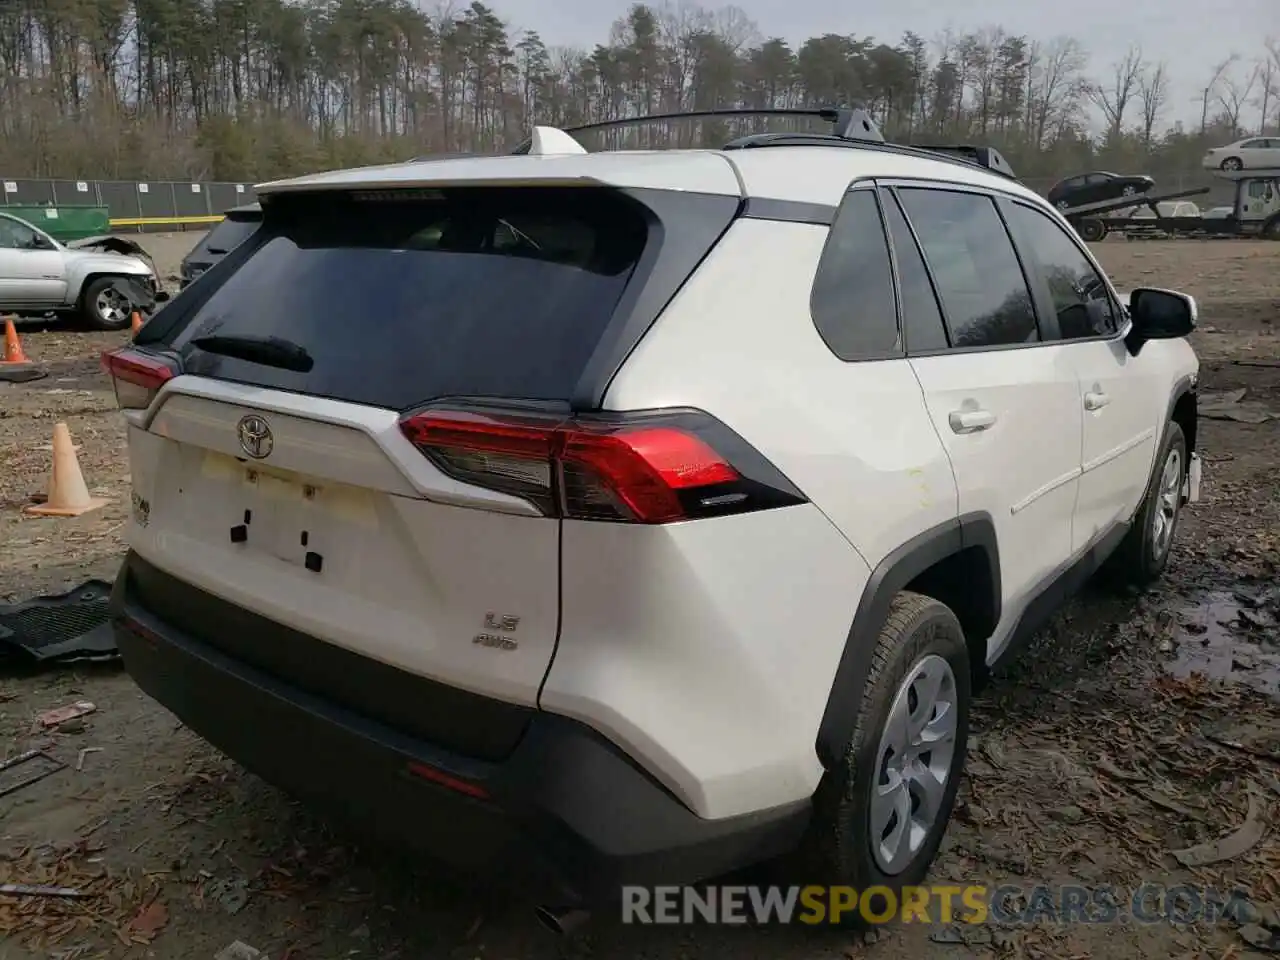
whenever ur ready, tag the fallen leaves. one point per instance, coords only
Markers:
(105, 902)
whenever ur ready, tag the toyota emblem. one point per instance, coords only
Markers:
(255, 436)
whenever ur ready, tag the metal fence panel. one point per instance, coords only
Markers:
(224, 196)
(154, 199)
(74, 193)
(190, 200)
(120, 198)
(23, 192)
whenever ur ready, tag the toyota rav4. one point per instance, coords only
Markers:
(629, 517)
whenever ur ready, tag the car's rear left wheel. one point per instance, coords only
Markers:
(881, 812)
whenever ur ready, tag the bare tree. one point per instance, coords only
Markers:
(1114, 97)
(1054, 86)
(1211, 89)
(1234, 93)
(1269, 84)
(1266, 92)
(1153, 91)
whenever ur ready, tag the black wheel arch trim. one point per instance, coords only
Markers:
(1186, 386)
(889, 577)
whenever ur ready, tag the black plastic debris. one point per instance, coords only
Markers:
(21, 373)
(59, 627)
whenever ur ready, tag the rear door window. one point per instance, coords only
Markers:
(979, 278)
(921, 316)
(399, 298)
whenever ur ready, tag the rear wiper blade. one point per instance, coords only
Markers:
(268, 351)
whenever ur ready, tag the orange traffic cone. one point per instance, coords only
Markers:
(68, 495)
(13, 353)
(137, 323)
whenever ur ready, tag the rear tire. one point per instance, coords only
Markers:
(1144, 553)
(103, 307)
(882, 811)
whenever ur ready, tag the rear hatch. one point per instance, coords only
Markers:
(273, 461)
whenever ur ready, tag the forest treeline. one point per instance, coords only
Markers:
(253, 89)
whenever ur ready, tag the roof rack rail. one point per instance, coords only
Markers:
(988, 157)
(851, 123)
(853, 127)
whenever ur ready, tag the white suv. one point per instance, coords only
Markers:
(629, 517)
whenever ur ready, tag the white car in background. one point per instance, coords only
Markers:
(1254, 153)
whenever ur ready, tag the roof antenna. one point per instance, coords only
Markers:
(854, 123)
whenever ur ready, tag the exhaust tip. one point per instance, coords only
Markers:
(561, 920)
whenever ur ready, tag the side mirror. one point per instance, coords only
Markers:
(41, 242)
(1159, 315)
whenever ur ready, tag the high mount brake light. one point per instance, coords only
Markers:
(137, 377)
(652, 469)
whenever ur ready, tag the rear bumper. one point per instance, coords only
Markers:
(566, 815)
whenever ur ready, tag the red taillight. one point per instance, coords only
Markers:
(136, 377)
(645, 468)
(653, 470)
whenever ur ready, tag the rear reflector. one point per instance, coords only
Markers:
(651, 468)
(448, 781)
(137, 377)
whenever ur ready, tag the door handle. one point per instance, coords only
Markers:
(970, 421)
(1095, 400)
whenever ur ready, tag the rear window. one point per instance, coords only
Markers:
(400, 298)
(228, 235)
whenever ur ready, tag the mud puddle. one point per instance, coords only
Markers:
(1231, 635)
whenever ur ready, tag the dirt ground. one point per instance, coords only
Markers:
(1094, 757)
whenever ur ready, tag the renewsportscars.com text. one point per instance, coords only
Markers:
(972, 903)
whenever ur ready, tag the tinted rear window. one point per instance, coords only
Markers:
(400, 299)
(228, 235)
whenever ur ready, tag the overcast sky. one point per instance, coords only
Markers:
(1190, 35)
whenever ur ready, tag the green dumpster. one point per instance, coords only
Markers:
(65, 223)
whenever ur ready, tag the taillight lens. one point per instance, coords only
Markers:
(651, 468)
(137, 377)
